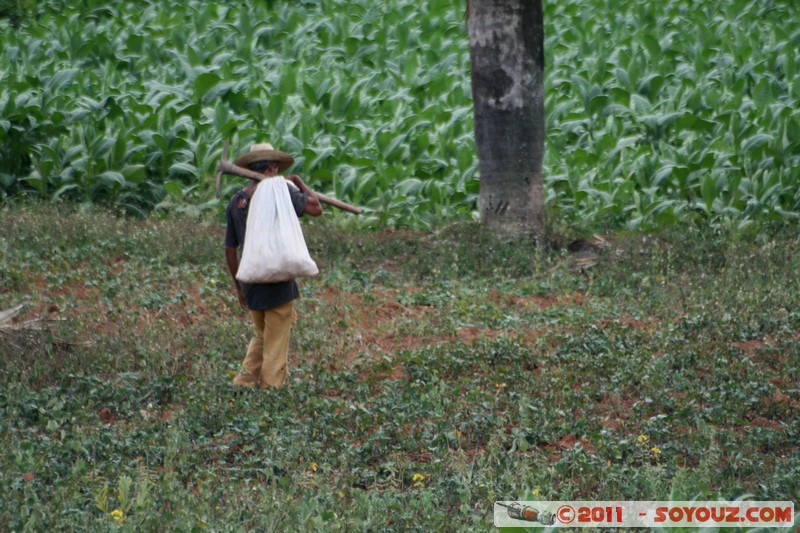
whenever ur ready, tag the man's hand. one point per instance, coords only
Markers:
(313, 207)
(232, 261)
(242, 301)
(297, 180)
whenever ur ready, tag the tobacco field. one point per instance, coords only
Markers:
(664, 112)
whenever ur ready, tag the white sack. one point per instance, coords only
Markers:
(274, 247)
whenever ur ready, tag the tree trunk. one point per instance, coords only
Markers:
(506, 43)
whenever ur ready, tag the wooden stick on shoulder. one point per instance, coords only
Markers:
(227, 168)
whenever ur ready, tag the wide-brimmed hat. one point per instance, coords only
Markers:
(265, 152)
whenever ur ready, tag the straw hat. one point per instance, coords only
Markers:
(265, 152)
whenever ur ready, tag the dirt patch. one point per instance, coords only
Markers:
(93, 312)
(612, 404)
(535, 301)
(106, 415)
(391, 310)
(613, 411)
(373, 341)
(471, 335)
(567, 442)
(383, 322)
(472, 452)
(378, 326)
(415, 456)
(751, 347)
(395, 374)
(780, 402)
(761, 422)
(781, 381)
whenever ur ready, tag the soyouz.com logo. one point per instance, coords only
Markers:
(644, 514)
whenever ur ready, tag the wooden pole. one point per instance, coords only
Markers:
(227, 168)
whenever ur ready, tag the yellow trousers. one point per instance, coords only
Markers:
(266, 363)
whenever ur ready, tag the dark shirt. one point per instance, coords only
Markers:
(260, 296)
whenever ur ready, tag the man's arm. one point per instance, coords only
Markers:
(233, 267)
(314, 206)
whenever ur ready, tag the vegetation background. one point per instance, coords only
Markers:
(436, 368)
(658, 113)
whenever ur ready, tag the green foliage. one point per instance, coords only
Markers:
(129, 107)
(645, 127)
(649, 127)
(429, 377)
(15, 10)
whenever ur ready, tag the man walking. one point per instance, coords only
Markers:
(271, 305)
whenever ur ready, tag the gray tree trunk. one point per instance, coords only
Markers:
(506, 43)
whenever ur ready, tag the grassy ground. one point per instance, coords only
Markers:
(431, 374)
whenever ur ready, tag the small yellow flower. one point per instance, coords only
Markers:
(643, 439)
(535, 492)
(656, 450)
(418, 477)
(118, 515)
(313, 466)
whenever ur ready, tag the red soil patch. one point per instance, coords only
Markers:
(750, 347)
(374, 327)
(615, 412)
(761, 422)
(781, 382)
(416, 456)
(471, 335)
(380, 322)
(396, 373)
(613, 409)
(106, 415)
(779, 401)
(471, 451)
(86, 305)
(567, 442)
(535, 301)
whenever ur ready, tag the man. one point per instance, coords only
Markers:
(271, 305)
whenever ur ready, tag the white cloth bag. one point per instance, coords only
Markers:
(274, 247)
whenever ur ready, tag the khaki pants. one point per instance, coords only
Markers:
(266, 362)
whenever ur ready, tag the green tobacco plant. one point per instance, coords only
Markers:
(16, 11)
(646, 126)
